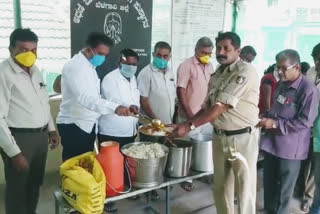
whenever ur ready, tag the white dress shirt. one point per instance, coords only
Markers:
(81, 101)
(160, 89)
(119, 90)
(24, 103)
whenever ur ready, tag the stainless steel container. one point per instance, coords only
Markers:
(202, 152)
(179, 159)
(152, 138)
(146, 173)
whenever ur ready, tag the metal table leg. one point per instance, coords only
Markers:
(148, 206)
(149, 198)
(56, 205)
(168, 199)
(59, 203)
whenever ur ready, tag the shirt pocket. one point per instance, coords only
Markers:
(135, 96)
(288, 109)
(43, 94)
(137, 93)
(172, 86)
(98, 88)
(194, 74)
(216, 90)
(211, 98)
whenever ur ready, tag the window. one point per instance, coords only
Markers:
(50, 21)
(271, 26)
(6, 27)
(161, 21)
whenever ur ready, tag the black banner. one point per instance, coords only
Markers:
(127, 22)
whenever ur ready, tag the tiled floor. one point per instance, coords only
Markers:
(200, 201)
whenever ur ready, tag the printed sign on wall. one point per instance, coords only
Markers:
(191, 20)
(127, 22)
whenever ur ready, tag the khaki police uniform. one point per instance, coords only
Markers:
(235, 144)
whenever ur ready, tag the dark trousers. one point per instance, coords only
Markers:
(305, 185)
(279, 178)
(315, 208)
(121, 140)
(22, 188)
(75, 141)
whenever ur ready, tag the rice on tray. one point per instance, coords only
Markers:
(144, 151)
(150, 130)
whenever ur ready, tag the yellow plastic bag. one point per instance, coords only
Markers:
(83, 183)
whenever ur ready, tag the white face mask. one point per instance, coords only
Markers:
(128, 71)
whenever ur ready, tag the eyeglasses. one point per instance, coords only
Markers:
(281, 70)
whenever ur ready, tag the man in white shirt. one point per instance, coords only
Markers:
(25, 123)
(82, 104)
(157, 85)
(120, 87)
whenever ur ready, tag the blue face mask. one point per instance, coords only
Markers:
(128, 70)
(97, 59)
(160, 63)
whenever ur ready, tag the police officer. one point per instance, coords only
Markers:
(232, 108)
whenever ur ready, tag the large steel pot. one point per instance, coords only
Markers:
(146, 173)
(202, 152)
(179, 159)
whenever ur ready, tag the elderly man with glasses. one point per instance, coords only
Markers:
(287, 128)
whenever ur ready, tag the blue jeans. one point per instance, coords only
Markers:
(315, 207)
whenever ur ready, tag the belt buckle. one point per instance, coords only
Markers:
(43, 128)
(219, 132)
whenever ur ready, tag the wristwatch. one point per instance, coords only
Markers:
(192, 126)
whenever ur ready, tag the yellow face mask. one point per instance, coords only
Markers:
(205, 59)
(26, 58)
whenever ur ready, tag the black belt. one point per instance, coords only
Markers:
(29, 130)
(234, 132)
